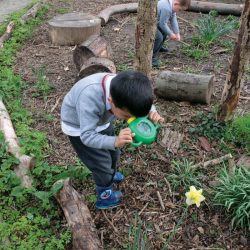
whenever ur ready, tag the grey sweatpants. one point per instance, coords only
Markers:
(159, 40)
(101, 162)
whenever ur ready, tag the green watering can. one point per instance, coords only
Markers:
(145, 130)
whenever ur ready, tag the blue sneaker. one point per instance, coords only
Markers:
(118, 177)
(107, 198)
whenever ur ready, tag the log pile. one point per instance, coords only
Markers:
(93, 56)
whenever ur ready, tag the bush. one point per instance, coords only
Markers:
(233, 194)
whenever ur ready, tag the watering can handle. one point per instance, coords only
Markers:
(136, 144)
(157, 125)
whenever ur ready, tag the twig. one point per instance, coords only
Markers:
(186, 21)
(169, 187)
(56, 104)
(245, 98)
(143, 209)
(213, 162)
(160, 200)
(109, 221)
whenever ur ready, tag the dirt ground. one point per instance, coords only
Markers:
(146, 172)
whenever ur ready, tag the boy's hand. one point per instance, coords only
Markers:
(155, 117)
(125, 137)
(172, 36)
(178, 37)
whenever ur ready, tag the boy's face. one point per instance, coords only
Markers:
(177, 7)
(119, 113)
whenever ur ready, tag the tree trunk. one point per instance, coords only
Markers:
(79, 219)
(221, 8)
(95, 46)
(26, 162)
(184, 87)
(145, 35)
(96, 65)
(240, 59)
(73, 28)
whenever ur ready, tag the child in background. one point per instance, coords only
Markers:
(166, 13)
(87, 113)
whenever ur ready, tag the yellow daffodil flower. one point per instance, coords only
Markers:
(194, 196)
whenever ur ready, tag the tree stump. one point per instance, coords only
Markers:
(95, 46)
(185, 87)
(95, 65)
(73, 28)
(79, 218)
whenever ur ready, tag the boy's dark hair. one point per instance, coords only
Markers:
(132, 91)
(185, 3)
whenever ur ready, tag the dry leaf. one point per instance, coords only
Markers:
(205, 144)
(201, 230)
(116, 29)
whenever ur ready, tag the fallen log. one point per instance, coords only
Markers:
(95, 65)
(115, 9)
(184, 87)
(73, 28)
(30, 13)
(221, 8)
(95, 46)
(195, 6)
(79, 218)
(26, 162)
(6, 36)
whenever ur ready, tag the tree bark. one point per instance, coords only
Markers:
(26, 162)
(79, 219)
(95, 46)
(73, 28)
(96, 65)
(184, 87)
(145, 35)
(6, 36)
(240, 59)
(221, 8)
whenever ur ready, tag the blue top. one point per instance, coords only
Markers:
(166, 15)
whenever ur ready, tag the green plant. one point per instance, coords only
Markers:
(209, 29)
(137, 236)
(208, 126)
(122, 67)
(233, 195)
(183, 175)
(239, 131)
(43, 86)
(196, 53)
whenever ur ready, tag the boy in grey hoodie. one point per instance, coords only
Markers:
(87, 113)
(166, 13)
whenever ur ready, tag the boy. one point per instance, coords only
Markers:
(166, 12)
(87, 113)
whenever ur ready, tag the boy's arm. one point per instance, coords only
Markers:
(174, 24)
(163, 22)
(88, 110)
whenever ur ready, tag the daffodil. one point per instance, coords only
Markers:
(194, 196)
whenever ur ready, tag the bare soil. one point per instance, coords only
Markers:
(146, 167)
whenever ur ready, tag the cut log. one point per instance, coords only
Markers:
(30, 13)
(79, 219)
(185, 87)
(221, 8)
(96, 65)
(6, 36)
(115, 9)
(195, 6)
(26, 162)
(73, 28)
(95, 46)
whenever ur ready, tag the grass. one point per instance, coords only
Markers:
(233, 196)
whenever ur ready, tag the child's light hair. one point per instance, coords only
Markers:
(184, 3)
